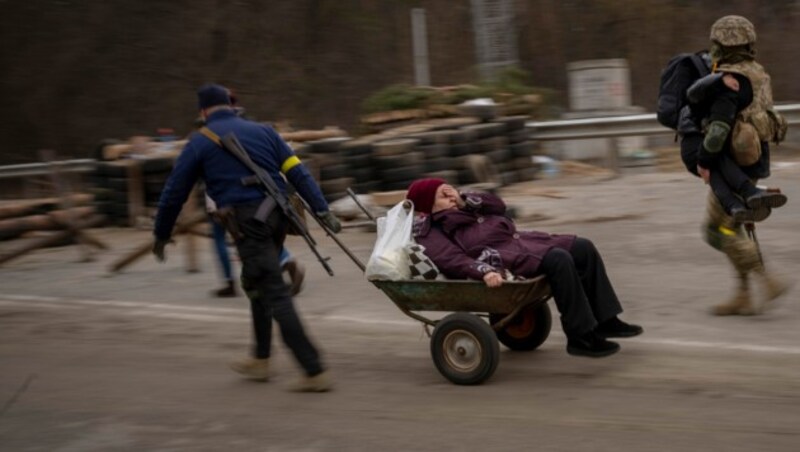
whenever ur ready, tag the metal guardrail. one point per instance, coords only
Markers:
(568, 129)
(39, 169)
(620, 126)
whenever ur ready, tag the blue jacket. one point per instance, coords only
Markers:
(223, 172)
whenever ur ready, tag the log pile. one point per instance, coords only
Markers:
(48, 222)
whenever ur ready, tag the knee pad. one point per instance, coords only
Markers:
(716, 135)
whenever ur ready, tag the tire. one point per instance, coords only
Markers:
(464, 349)
(451, 176)
(434, 151)
(326, 145)
(157, 165)
(457, 150)
(330, 172)
(528, 330)
(358, 161)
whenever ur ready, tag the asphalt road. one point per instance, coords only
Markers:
(138, 361)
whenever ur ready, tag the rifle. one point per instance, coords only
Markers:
(275, 197)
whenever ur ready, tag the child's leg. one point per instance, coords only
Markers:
(738, 181)
(730, 202)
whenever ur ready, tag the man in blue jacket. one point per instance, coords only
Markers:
(261, 239)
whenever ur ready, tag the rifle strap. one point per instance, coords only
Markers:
(211, 136)
(268, 205)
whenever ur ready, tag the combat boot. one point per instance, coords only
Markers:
(740, 304)
(226, 292)
(318, 383)
(774, 287)
(252, 368)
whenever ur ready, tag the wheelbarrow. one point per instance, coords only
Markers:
(464, 346)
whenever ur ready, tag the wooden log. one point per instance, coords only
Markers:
(145, 248)
(51, 221)
(50, 240)
(311, 135)
(25, 207)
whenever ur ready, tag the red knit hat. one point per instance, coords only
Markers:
(422, 192)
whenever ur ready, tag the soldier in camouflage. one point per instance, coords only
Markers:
(752, 124)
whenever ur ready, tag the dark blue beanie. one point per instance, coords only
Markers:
(211, 95)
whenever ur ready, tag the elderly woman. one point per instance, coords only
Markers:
(468, 236)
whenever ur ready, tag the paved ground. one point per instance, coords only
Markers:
(138, 361)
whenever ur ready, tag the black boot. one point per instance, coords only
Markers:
(745, 215)
(591, 344)
(226, 292)
(614, 327)
(757, 198)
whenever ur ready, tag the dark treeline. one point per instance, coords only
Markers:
(75, 72)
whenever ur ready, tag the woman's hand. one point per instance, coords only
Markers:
(731, 82)
(493, 279)
(452, 193)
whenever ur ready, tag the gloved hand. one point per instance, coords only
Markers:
(158, 249)
(330, 220)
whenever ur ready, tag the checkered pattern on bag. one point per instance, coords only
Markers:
(421, 266)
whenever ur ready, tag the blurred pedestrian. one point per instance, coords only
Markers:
(219, 236)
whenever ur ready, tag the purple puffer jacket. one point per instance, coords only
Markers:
(467, 243)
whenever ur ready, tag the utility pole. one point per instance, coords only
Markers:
(495, 36)
(419, 33)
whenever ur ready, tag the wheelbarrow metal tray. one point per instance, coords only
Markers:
(467, 296)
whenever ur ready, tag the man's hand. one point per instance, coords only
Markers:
(704, 173)
(493, 279)
(330, 221)
(158, 249)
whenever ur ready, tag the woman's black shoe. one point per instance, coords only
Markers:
(614, 327)
(592, 345)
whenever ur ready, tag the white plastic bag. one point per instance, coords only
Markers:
(389, 259)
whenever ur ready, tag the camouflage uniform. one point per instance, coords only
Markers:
(758, 122)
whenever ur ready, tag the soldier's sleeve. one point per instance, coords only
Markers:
(176, 190)
(297, 174)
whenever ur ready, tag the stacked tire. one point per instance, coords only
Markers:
(358, 156)
(330, 169)
(155, 172)
(521, 147)
(397, 163)
(110, 189)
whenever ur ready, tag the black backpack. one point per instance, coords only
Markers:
(681, 71)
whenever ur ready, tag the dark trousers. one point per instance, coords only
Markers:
(727, 178)
(269, 295)
(580, 286)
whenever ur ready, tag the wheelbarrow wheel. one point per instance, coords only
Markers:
(464, 349)
(528, 330)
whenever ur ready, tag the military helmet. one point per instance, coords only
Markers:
(733, 31)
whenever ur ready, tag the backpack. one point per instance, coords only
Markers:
(681, 71)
